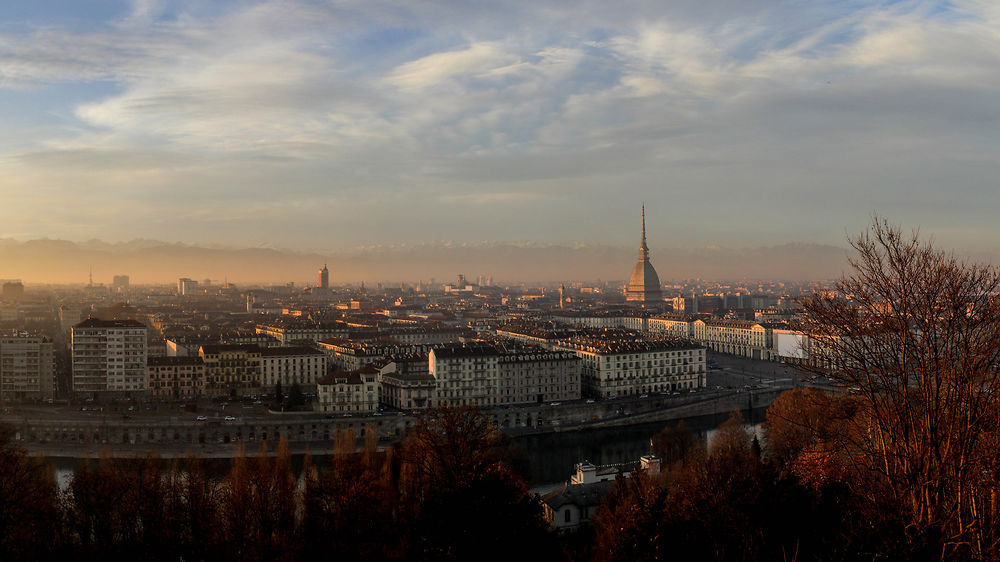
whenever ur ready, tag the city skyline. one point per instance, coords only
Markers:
(323, 128)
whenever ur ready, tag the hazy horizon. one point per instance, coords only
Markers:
(153, 262)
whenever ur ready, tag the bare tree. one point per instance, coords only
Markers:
(915, 334)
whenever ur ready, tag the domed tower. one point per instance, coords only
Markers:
(644, 284)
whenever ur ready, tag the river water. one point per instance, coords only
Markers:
(552, 456)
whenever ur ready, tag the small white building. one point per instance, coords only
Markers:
(573, 505)
(349, 393)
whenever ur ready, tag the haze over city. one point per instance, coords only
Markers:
(325, 127)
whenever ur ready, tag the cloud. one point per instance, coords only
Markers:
(290, 113)
(479, 60)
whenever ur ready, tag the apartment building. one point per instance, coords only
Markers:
(26, 367)
(737, 337)
(348, 393)
(292, 365)
(109, 356)
(538, 376)
(231, 369)
(617, 365)
(176, 377)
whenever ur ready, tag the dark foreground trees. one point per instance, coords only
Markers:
(914, 333)
(726, 502)
(30, 518)
(446, 493)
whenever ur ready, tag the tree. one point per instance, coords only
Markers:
(29, 510)
(295, 397)
(463, 500)
(673, 443)
(915, 334)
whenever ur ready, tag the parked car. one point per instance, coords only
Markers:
(202, 418)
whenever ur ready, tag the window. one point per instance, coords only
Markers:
(566, 516)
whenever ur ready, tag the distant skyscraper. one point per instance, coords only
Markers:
(324, 278)
(644, 284)
(186, 286)
(120, 283)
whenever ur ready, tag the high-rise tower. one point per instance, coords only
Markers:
(644, 284)
(324, 278)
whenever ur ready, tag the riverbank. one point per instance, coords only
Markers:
(75, 439)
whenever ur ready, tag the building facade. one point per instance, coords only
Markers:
(324, 278)
(176, 377)
(407, 391)
(290, 332)
(349, 393)
(620, 366)
(231, 369)
(109, 356)
(737, 337)
(292, 365)
(465, 375)
(535, 377)
(27, 369)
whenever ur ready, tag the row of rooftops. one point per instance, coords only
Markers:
(632, 344)
(263, 351)
(348, 377)
(98, 323)
(741, 324)
(373, 348)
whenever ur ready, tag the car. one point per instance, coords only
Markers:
(230, 418)
(202, 418)
(590, 401)
(643, 396)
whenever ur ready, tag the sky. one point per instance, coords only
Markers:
(366, 123)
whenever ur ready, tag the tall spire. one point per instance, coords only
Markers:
(643, 249)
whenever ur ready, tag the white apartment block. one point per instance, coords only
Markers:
(289, 332)
(347, 355)
(630, 367)
(736, 337)
(534, 377)
(407, 391)
(680, 328)
(465, 376)
(26, 367)
(109, 356)
(354, 393)
(292, 365)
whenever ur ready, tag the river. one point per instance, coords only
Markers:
(552, 456)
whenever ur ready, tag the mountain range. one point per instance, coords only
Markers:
(151, 261)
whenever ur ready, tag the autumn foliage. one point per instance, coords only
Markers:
(446, 493)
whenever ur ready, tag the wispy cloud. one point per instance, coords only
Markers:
(753, 114)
